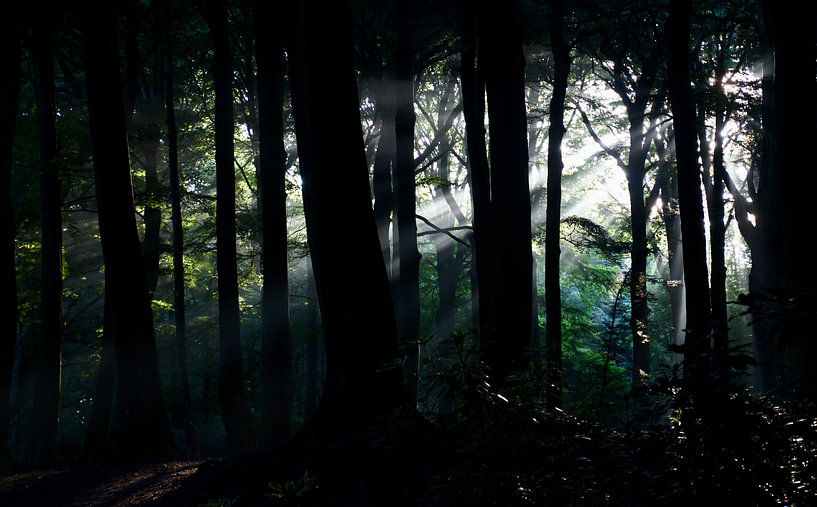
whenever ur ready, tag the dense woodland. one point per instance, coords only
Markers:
(411, 252)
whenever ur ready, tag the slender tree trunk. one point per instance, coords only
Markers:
(408, 285)
(473, 107)
(690, 200)
(9, 91)
(638, 274)
(501, 40)
(139, 426)
(45, 412)
(277, 348)
(184, 401)
(231, 389)
(556, 132)
(717, 235)
(363, 376)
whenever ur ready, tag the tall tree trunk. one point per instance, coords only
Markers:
(45, 412)
(479, 178)
(184, 397)
(690, 200)
(501, 41)
(556, 132)
(408, 285)
(717, 234)
(277, 348)
(638, 274)
(231, 389)
(363, 376)
(139, 426)
(793, 38)
(9, 91)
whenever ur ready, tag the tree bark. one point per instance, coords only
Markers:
(793, 39)
(45, 413)
(276, 343)
(504, 61)
(689, 196)
(9, 91)
(479, 179)
(363, 376)
(139, 426)
(184, 403)
(408, 285)
(556, 132)
(231, 389)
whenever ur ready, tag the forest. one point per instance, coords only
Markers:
(408, 252)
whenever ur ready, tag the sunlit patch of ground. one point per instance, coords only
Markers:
(96, 485)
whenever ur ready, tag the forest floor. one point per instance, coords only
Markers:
(96, 485)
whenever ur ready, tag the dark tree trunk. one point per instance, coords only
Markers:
(556, 132)
(363, 376)
(277, 353)
(9, 91)
(503, 57)
(638, 273)
(139, 426)
(473, 108)
(717, 234)
(184, 403)
(231, 389)
(690, 200)
(793, 38)
(408, 284)
(45, 413)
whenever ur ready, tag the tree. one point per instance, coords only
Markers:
(139, 427)
(408, 282)
(45, 414)
(556, 132)
(362, 373)
(690, 201)
(184, 410)
(231, 389)
(9, 89)
(504, 66)
(793, 39)
(271, 179)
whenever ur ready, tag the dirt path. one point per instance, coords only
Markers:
(99, 485)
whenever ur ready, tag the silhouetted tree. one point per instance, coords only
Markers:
(690, 200)
(405, 211)
(271, 183)
(139, 426)
(362, 373)
(184, 406)
(503, 59)
(556, 132)
(45, 413)
(231, 389)
(9, 91)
